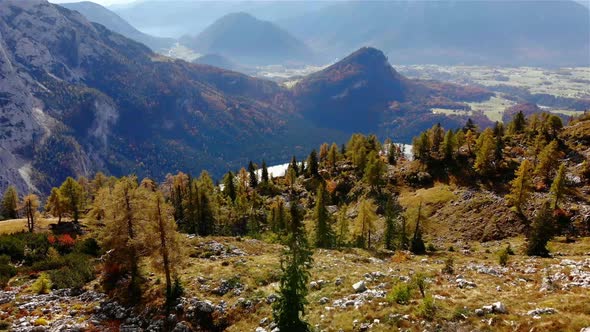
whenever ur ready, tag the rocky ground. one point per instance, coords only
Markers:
(231, 284)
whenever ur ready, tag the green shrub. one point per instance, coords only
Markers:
(431, 247)
(400, 294)
(427, 308)
(4, 325)
(503, 257)
(419, 281)
(76, 272)
(7, 271)
(42, 285)
(452, 249)
(89, 247)
(176, 293)
(30, 247)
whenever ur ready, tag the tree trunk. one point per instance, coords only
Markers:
(164, 249)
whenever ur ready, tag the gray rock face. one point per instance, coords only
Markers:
(359, 287)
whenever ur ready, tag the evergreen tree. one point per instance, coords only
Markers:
(229, 186)
(421, 147)
(470, 138)
(558, 186)
(342, 227)
(333, 156)
(295, 261)
(392, 213)
(448, 145)
(291, 177)
(55, 204)
(470, 126)
(365, 223)
(547, 161)
(72, 194)
(30, 207)
(324, 233)
(403, 239)
(417, 246)
(9, 207)
(521, 186)
(324, 148)
(264, 174)
(253, 177)
(293, 165)
(460, 140)
(312, 164)
(518, 123)
(436, 137)
(277, 215)
(392, 152)
(542, 231)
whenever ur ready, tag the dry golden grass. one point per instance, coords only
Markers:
(19, 225)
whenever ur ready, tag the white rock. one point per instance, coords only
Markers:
(359, 287)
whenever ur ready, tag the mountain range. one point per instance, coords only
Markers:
(77, 98)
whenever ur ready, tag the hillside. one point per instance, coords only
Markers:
(99, 14)
(218, 61)
(249, 40)
(529, 33)
(425, 243)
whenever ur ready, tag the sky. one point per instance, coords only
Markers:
(102, 2)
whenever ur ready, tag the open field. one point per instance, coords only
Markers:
(19, 225)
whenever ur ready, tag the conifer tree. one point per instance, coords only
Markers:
(448, 146)
(294, 166)
(55, 204)
(392, 213)
(9, 207)
(403, 238)
(324, 148)
(542, 231)
(374, 170)
(229, 186)
(312, 164)
(30, 208)
(417, 246)
(470, 138)
(392, 153)
(436, 137)
(333, 156)
(365, 223)
(291, 177)
(470, 126)
(460, 140)
(547, 161)
(324, 233)
(72, 194)
(486, 152)
(342, 237)
(295, 261)
(521, 186)
(518, 123)
(277, 215)
(253, 177)
(264, 173)
(558, 187)
(421, 147)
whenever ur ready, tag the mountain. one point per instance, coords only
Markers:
(99, 14)
(518, 32)
(249, 40)
(77, 98)
(363, 92)
(174, 18)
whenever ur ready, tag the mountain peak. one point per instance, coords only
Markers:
(367, 54)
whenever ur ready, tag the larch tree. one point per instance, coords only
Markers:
(470, 138)
(518, 123)
(229, 186)
(448, 145)
(365, 223)
(324, 234)
(30, 207)
(547, 161)
(72, 194)
(558, 187)
(277, 216)
(486, 153)
(542, 231)
(392, 214)
(324, 148)
(521, 186)
(312, 164)
(294, 166)
(417, 246)
(55, 205)
(342, 227)
(374, 170)
(333, 156)
(289, 309)
(9, 207)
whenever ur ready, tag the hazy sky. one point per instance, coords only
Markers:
(102, 2)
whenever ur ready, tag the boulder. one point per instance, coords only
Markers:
(359, 287)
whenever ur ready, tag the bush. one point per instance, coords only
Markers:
(503, 257)
(76, 272)
(431, 247)
(428, 308)
(41, 322)
(419, 281)
(7, 271)
(449, 266)
(30, 247)
(400, 294)
(177, 292)
(42, 285)
(89, 247)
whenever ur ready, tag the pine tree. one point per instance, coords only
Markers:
(333, 156)
(293, 165)
(253, 177)
(392, 213)
(417, 246)
(486, 152)
(365, 223)
(421, 147)
(470, 126)
(291, 177)
(72, 194)
(342, 227)
(436, 137)
(558, 186)
(30, 208)
(460, 140)
(542, 231)
(324, 233)
(9, 207)
(403, 239)
(521, 186)
(55, 204)
(470, 138)
(518, 123)
(392, 152)
(229, 186)
(312, 164)
(547, 161)
(264, 174)
(448, 145)
(295, 262)
(324, 148)
(277, 215)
